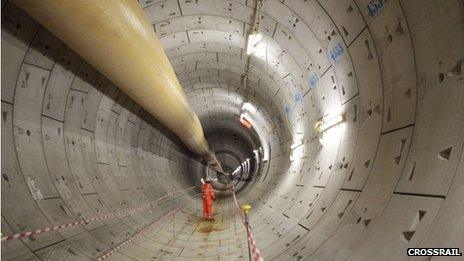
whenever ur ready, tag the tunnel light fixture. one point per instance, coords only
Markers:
(296, 144)
(245, 122)
(296, 149)
(248, 107)
(236, 170)
(296, 153)
(324, 125)
(243, 169)
(298, 140)
(253, 40)
(256, 155)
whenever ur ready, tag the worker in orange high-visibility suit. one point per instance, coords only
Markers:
(208, 197)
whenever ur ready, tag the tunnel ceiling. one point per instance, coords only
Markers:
(390, 176)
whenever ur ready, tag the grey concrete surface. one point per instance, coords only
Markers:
(391, 176)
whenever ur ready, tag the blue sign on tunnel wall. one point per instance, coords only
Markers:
(313, 80)
(336, 52)
(374, 7)
(288, 110)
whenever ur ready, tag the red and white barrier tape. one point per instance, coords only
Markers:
(137, 235)
(237, 207)
(255, 253)
(88, 220)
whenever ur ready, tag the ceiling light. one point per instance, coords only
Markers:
(253, 40)
(321, 126)
(296, 144)
(248, 107)
(245, 122)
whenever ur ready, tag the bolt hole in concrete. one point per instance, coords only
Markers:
(441, 77)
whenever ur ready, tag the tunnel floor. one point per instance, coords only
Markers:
(225, 234)
(186, 235)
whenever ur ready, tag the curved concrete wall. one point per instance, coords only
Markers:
(390, 177)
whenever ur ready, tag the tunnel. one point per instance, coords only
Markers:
(341, 120)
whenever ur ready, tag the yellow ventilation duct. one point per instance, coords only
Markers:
(117, 38)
